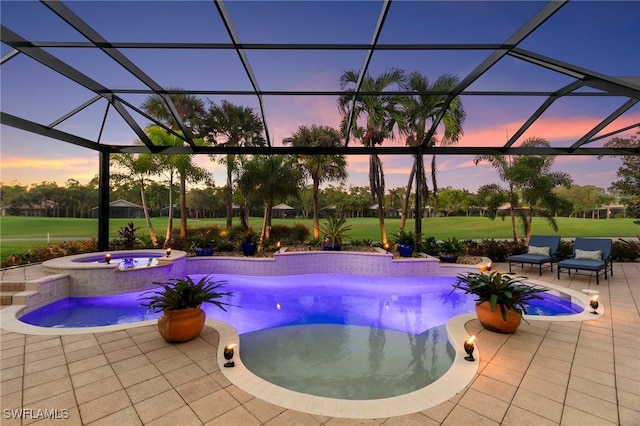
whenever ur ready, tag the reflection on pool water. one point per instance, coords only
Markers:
(333, 335)
(413, 304)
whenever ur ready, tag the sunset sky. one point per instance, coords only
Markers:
(599, 36)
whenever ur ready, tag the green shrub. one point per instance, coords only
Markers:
(625, 250)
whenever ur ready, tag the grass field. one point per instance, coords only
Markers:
(19, 234)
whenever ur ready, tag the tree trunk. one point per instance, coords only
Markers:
(228, 193)
(407, 197)
(147, 218)
(167, 235)
(183, 205)
(316, 210)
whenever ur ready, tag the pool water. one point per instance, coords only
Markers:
(413, 304)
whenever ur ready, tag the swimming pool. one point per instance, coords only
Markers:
(406, 304)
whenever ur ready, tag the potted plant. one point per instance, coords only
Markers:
(406, 242)
(334, 229)
(497, 290)
(203, 243)
(449, 249)
(180, 301)
(249, 243)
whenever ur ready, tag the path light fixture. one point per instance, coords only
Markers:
(469, 346)
(107, 258)
(228, 355)
(594, 304)
(168, 251)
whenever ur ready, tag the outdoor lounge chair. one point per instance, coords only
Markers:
(542, 249)
(589, 254)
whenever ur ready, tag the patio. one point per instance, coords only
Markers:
(546, 373)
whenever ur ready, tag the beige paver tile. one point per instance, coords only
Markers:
(198, 388)
(81, 354)
(183, 416)
(38, 343)
(339, 421)
(209, 364)
(12, 373)
(87, 364)
(11, 400)
(126, 416)
(238, 416)
(159, 405)
(511, 361)
(44, 364)
(592, 388)
(104, 406)
(262, 410)
(628, 385)
(629, 400)
(544, 388)
(110, 336)
(594, 375)
(46, 390)
(185, 374)
(12, 362)
(10, 386)
(213, 405)
(239, 395)
(552, 353)
(11, 352)
(43, 354)
(575, 417)
(44, 376)
(538, 404)
(517, 416)
(138, 375)
(124, 353)
(130, 364)
(291, 417)
(173, 363)
(163, 353)
(494, 387)
(463, 416)
(85, 343)
(416, 419)
(147, 389)
(145, 337)
(502, 374)
(220, 378)
(116, 345)
(97, 389)
(440, 411)
(589, 404)
(91, 376)
(202, 353)
(628, 417)
(484, 404)
(153, 345)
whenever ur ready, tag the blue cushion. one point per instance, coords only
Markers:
(589, 265)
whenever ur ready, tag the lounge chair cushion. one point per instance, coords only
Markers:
(539, 251)
(589, 254)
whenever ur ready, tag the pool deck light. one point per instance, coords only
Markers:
(469, 346)
(228, 355)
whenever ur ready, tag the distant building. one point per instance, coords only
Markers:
(283, 211)
(45, 208)
(122, 209)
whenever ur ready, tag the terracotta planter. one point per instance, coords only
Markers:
(181, 325)
(493, 320)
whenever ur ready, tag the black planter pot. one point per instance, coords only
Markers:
(204, 251)
(249, 248)
(448, 257)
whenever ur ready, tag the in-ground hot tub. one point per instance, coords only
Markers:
(90, 275)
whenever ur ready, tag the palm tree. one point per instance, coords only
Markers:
(190, 110)
(239, 125)
(420, 111)
(532, 176)
(320, 167)
(380, 114)
(269, 179)
(139, 167)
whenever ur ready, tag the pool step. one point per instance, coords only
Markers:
(14, 283)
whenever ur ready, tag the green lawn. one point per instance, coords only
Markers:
(32, 231)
